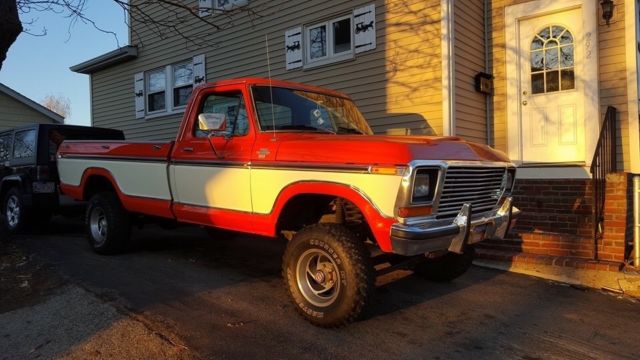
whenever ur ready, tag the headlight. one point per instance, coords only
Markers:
(424, 184)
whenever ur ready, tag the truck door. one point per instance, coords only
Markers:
(209, 171)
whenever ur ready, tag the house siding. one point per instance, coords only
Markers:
(396, 85)
(14, 113)
(612, 75)
(469, 53)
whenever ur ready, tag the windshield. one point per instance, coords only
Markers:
(307, 111)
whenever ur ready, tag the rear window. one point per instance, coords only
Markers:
(24, 144)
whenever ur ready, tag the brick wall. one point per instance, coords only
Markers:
(618, 218)
(557, 219)
(554, 205)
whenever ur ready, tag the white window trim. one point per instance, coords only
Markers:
(448, 68)
(168, 92)
(632, 17)
(331, 57)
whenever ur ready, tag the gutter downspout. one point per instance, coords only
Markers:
(487, 69)
(636, 221)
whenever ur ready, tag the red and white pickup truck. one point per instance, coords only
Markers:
(277, 158)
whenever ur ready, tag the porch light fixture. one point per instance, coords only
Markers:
(607, 10)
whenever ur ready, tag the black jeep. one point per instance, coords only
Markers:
(28, 173)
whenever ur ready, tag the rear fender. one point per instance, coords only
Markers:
(148, 206)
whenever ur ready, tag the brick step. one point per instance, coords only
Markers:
(514, 257)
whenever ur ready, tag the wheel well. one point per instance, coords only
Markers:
(96, 184)
(6, 186)
(307, 209)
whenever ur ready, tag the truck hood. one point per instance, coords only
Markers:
(379, 149)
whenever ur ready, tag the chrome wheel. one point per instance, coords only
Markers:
(98, 226)
(13, 211)
(318, 277)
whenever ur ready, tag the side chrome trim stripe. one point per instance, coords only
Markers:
(114, 158)
(360, 169)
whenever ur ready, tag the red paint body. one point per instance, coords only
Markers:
(283, 147)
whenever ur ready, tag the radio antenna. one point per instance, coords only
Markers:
(273, 117)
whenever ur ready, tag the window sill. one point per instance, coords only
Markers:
(164, 114)
(330, 61)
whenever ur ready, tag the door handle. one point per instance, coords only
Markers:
(187, 149)
(524, 102)
(157, 147)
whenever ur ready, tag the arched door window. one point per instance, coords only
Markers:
(552, 60)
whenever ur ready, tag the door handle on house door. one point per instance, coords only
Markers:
(524, 102)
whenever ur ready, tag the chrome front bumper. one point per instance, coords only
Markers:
(411, 240)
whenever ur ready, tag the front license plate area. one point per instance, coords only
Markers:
(477, 233)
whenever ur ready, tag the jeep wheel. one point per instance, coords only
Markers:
(107, 222)
(327, 271)
(447, 267)
(15, 213)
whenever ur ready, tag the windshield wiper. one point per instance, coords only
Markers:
(348, 130)
(305, 127)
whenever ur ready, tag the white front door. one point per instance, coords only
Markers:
(551, 88)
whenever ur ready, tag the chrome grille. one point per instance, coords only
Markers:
(479, 186)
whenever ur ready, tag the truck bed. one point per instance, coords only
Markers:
(139, 171)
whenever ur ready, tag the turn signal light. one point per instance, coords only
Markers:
(387, 170)
(414, 211)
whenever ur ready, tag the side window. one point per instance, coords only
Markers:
(232, 106)
(24, 144)
(5, 147)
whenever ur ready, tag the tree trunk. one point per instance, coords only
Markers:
(10, 27)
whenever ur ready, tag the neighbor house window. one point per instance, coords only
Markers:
(182, 82)
(166, 90)
(329, 41)
(337, 39)
(156, 95)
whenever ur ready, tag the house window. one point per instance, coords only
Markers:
(329, 41)
(156, 85)
(552, 60)
(166, 90)
(182, 83)
(326, 42)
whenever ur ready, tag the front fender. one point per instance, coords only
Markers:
(380, 225)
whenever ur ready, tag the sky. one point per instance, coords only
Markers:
(37, 66)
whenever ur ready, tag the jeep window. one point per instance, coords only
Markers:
(5, 147)
(24, 144)
(298, 110)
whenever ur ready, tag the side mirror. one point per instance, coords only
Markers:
(212, 122)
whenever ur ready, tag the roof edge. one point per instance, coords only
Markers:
(106, 60)
(32, 104)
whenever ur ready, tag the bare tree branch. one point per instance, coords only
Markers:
(171, 21)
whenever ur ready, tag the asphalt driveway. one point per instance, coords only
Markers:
(224, 298)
